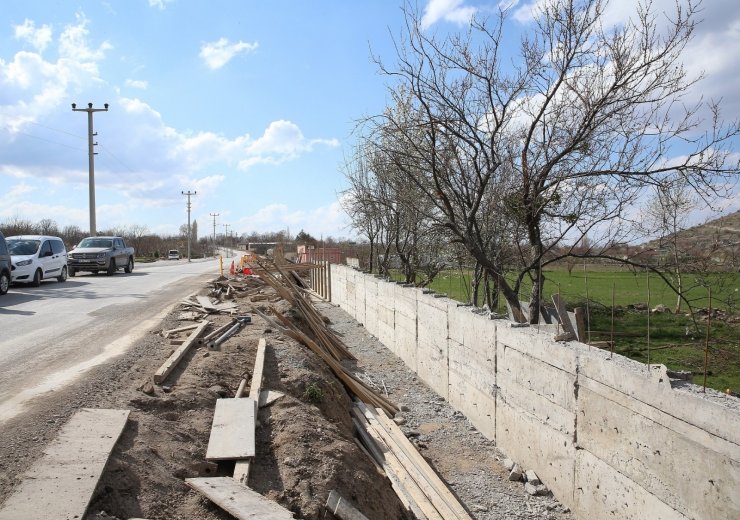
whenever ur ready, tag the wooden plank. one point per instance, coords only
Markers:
(407, 490)
(342, 509)
(166, 333)
(241, 468)
(232, 432)
(563, 315)
(449, 506)
(61, 483)
(238, 500)
(267, 397)
(259, 367)
(241, 471)
(178, 354)
(581, 324)
(205, 302)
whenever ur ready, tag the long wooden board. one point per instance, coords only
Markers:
(178, 354)
(61, 483)
(436, 489)
(563, 315)
(232, 432)
(238, 500)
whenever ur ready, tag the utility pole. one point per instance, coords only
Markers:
(91, 159)
(226, 234)
(214, 215)
(189, 194)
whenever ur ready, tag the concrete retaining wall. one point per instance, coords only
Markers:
(608, 437)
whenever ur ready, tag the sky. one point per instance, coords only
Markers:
(250, 104)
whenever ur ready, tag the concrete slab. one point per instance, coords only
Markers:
(61, 483)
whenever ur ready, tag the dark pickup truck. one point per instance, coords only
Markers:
(100, 254)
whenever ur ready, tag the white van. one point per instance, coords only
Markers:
(37, 257)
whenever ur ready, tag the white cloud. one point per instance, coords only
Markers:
(219, 53)
(327, 220)
(159, 4)
(447, 10)
(38, 38)
(137, 83)
(282, 141)
(74, 45)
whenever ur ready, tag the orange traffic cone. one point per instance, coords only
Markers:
(232, 269)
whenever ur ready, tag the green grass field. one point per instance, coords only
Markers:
(675, 340)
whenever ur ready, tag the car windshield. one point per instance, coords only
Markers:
(96, 242)
(23, 247)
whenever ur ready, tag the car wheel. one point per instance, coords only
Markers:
(72, 271)
(111, 267)
(4, 283)
(63, 277)
(129, 266)
(36, 278)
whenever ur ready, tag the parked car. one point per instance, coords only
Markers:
(5, 265)
(173, 254)
(37, 257)
(101, 254)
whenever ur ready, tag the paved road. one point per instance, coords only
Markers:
(52, 334)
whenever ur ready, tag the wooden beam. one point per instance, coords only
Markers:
(238, 500)
(232, 432)
(205, 302)
(581, 324)
(61, 483)
(178, 354)
(563, 317)
(433, 488)
(166, 333)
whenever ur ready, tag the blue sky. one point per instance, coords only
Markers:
(249, 103)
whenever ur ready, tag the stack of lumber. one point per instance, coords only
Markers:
(415, 482)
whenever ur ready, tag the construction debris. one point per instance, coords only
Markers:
(178, 354)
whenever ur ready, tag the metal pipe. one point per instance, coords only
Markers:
(241, 321)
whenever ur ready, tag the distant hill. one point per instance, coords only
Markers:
(722, 233)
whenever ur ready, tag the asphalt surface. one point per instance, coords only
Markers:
(52, 334)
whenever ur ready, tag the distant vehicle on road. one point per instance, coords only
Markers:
(173, 254)
(5, 265)
(106, 254)
(37, 257)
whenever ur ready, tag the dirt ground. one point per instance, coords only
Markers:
(305, 443)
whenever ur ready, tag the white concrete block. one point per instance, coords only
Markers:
(458, 322)
(534, 445)
(432, 346)
(371, 305)
(717, 420)
(472, 390)
(602, 492)
(405, 341)
(684, 474)
(360, 299)
(536, 376)
(540, 346)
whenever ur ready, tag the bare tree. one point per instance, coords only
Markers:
(586, 119)
(359, 201)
